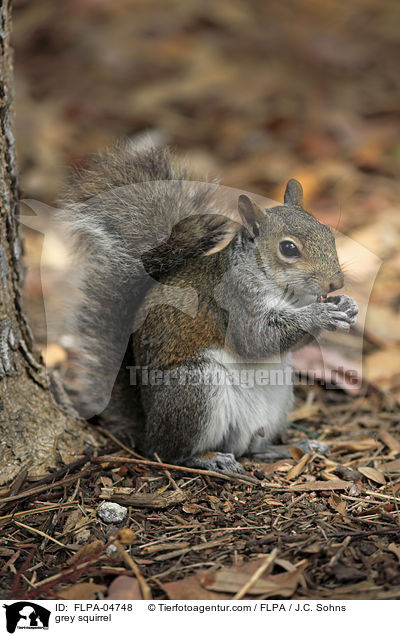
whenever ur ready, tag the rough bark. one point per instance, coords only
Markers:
(38, 428)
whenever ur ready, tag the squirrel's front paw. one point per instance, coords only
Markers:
(337, 312)
(346, 304)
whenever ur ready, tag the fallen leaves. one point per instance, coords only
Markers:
(124, 588)
(391, 442)
(232, 580)
(361, 445)
(228, 581)
(299, 467)
(192, 589)
(372, 473)
(391, 467)
(337, 504)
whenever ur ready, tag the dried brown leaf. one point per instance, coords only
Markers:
(355, 445)
(372, 473)
(389, 440)
(296, 453)
(337, 504)
(391, 467)
(191, 588)
(298, 469)
(125, 588)
(231, 580)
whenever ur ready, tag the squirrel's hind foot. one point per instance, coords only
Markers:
(216, 461)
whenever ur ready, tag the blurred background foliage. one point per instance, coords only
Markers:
(252, 92)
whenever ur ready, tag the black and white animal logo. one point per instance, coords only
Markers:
(26, 615)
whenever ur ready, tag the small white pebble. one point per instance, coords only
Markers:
(110, 512)
(111, 549)
(354, 490)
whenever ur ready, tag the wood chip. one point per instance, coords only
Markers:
(128, 497)
(333, 484)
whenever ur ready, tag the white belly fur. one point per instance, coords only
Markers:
(237, 413)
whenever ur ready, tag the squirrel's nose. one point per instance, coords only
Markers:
(336, 283)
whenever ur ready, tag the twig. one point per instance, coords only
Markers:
(117, 441)
(146, 592)
(339, 552)
(363, 533)
(19, 573)
(34, 511)
(314, 535)
(167, 473)
(381, 495)
(194, 471)
(48, 482)
(46, 487)
(61, 576)
(42, 534)
(257, 574)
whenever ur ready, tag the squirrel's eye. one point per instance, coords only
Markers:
(288, 249)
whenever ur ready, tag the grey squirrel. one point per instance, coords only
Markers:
(163, 315)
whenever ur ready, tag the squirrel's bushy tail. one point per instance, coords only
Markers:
(133, 214)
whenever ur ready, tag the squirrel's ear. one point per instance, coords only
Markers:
(293, 194)
(250, 214)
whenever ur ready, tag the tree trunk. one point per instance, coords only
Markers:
(38, 427)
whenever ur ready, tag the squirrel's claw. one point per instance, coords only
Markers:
(336, 312)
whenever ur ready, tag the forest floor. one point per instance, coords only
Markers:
(333, 521)
(253, 93)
